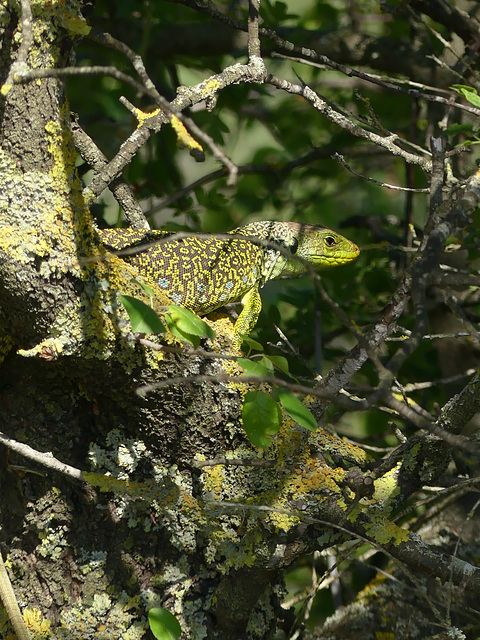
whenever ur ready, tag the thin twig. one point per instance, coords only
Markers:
(371, 76)
(34, 74)
(343, 400)
(45, 459)
(253, 39)
(341, 160)
(234, 462)
(185, 351)
(438, 173)
(121, 190)
(277, 169)
(387, 142)
(312, 58)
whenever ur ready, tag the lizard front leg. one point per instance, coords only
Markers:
(252, 305)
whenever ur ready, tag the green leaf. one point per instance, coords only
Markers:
(261, 418)
(461, 87)
(148, 290)
(279, 362)
(142, 317)
(472, 97)
(296, 409)
(455, 128)
(163, 624)
(252, 344)
(186, 325)
(189, 322)
(253, 368)
(468, 92)
(265, 362)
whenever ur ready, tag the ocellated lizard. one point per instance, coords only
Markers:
(203, 273)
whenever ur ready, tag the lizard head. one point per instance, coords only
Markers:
(320, 246)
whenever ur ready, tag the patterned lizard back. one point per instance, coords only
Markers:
(199, 273)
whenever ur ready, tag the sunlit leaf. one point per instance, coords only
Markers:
(253, 368)
(279, 362)
(186, 325)
(142, 317)
(261, 418)
(296, 409)
(468, 92)
(163, 624)
(252, 344)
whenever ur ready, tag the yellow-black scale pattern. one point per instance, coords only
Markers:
(205, 272)
(199, 273)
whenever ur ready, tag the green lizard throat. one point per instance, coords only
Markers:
(203, 273)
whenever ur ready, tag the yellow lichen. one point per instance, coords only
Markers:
(36, 623)
(191, 507)
(384, 531)
(142, 116)
(283, 521)
(211, 86)
(184, 137)
(75, 24)
(386, 487)
(65, 14)
(327, 442)
(214, 480)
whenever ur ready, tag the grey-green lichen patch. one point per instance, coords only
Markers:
(264, 613)
(90, 560)
(121, 458)
(53, 536)
(106, 618)
(172, 573)
(192, 617)
(190, 612)
(167, 493)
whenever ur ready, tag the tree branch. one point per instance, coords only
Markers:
(387, 142)
(427, 258)
(121, 190)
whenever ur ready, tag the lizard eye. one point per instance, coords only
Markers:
(329, 241)
(294, 246)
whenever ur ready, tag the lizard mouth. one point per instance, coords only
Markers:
(337, 258)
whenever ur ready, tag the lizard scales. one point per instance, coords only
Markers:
(203, 273)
